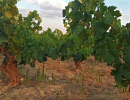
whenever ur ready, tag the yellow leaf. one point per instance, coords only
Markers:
(114, 23)
(16, 17)
(88, 57)
(65, 25)
(9, 14)
(69, 20)
(70, 4)
(12, 20)
(67, 33)
(82, 46)
(1, 1)
(90, 32)
(80, 1)
(15, 33)
(39, 19)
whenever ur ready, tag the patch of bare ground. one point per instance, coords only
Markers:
(88, 86)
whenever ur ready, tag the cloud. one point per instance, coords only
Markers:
(125, 18)
(49, 8)
(51, 4)
(30, 1)
(24, 11)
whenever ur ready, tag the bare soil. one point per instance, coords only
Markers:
(64, 73)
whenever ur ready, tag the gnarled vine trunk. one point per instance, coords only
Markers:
(9, 68)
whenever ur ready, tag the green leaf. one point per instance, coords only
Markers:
(51, 51)
(78, 30)
(35, 55)
(54, 56)
(32, 64)
(8, 30)
(19, 58)
(16, 39)
(76, 59)
(99, 31)
(88, 7)
(117, 13)
(100, 1)
(125, 83)
(126, 56)
(114, 72)
(3, 37)
(118, 77)
(128, 26)
(62, 58)
(28, 58)
(111, 8)
(118, 22)
(41, 56)
(108, 58)
(30, 43)
(1, 4)
(107, 19)
(126, 74)
(45, 59)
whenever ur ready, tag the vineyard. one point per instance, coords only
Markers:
(22, 45)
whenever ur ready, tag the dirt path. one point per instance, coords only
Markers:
(64, 73)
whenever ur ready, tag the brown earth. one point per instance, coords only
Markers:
(63, 72)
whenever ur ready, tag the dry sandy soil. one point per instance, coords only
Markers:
(64, 73)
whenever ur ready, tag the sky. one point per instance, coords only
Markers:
(50, 11)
